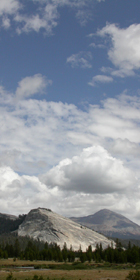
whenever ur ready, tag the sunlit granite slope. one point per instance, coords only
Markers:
(47, 226)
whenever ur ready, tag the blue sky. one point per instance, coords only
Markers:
(70, 106)
(46, 52)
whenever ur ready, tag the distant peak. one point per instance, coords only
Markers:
(108, 211)
(105, 210)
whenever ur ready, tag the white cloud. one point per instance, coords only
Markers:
(82, 60)
(118, 73)
(100, 46)
(91, 35)
(32, 85)
(122, 73)
(126, 148)
(9, 158)
(80, 6)
(71, 3)
(47, 19)
(36, 135)
(6, 22)
(93, 171)
(9, 6)
(18, 194)
(124, 52)
(100, 79)
(7, 177)
(83, 16)
(57, 130)
(44, 15)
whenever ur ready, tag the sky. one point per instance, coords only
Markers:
(70, 106)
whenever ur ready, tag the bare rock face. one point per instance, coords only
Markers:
(47, 226)
(110, 224)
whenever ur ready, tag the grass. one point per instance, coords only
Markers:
(69, 275)
(65, 271)
(10, 263)
(17, 262)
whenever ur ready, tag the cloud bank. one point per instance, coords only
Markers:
(53, 153)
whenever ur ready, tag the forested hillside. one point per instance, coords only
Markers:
(26, 248)
(8, 225)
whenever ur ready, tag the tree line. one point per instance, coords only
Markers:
(36, 250)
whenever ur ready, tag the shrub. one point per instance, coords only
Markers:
(133, 275)
(36, 277)
(10, 277)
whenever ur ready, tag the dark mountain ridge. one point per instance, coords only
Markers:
(10, 223)
(42, 222)
(110, 224)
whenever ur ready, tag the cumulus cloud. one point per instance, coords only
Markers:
(93, 171)
(56, 130)
(124, 52)
(8, 177)
(81, 59)
(100, 79)
(19, 193)
(32, 85)
(36, 135)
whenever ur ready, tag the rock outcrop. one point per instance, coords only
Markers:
(47, 226)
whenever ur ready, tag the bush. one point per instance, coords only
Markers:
(10, 277)
(36, 277)
(133, 275)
